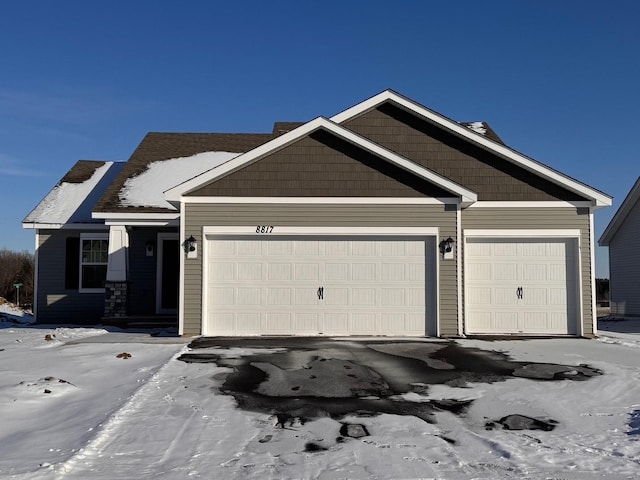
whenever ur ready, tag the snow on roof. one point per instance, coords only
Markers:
(477, 127)
(147, 189)
(70, 202)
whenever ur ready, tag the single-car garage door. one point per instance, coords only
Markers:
(315, 286)
(520, 286)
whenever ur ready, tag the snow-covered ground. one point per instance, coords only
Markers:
(73, 407)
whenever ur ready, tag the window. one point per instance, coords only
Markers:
(94, 254)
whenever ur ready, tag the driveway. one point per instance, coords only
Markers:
(300, 379)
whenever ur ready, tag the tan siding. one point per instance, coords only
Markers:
(198, 216)
(624, 266)
(55, 304)
(542, 218)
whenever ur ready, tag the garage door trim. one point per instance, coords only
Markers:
(533, 234)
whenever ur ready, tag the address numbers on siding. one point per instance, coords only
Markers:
(264, 229)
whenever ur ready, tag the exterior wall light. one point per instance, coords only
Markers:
(190, 246)
(446, 246)
(148, 248)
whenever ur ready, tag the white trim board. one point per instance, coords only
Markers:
(532, 233)
(600, 199)
(324, 200)
(175, 194)
(323, 231)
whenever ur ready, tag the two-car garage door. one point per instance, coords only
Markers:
(316, 286)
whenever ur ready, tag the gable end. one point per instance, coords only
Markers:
(321, 165)
(491, 176)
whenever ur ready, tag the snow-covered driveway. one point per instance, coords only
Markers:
(152, 416)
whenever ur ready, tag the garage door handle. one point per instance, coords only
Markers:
(320, 293)
(519, 292)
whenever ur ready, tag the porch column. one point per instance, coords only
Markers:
(115, 302)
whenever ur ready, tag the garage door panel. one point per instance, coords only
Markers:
(534, 272)
(363, 323)
(225, 271)
(223, 295)
(503, 271)
(248, 296)
(336, 272)
(280, 271)
(245, 271)
(306, 323)
(278, 296)
(247, 322)
(307, 271)
(392, 297)
(278, 322)
(393, 272)
(363, 271)
(306, 296)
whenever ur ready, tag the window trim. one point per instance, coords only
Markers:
(83, 237)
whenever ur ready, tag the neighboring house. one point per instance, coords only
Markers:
(386, 219)
(622, 236)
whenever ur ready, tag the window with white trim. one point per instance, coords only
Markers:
(94, 255)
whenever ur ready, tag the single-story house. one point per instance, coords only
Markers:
(386, 219)
(622, 236)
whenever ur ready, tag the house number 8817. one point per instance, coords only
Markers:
(264, 229)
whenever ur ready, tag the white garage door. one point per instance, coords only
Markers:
(521, 286)
(315, 286)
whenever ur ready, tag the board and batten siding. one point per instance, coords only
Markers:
(541, 218)
(55, 303)
(624, 266)
(197, 216)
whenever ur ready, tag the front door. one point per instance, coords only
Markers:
(168, 273)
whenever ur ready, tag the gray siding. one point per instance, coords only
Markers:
(199, 215)
(54, 303)
(542, 218)
(624, 266)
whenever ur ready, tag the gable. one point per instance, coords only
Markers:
(491, 176)
(626, 218)
(321, 164)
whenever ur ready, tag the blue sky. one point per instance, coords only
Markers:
(558, 81)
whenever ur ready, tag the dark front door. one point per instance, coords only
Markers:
(170, 274)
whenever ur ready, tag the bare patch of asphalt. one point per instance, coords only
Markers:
(307, 378)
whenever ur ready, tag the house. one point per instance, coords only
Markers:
(385, 219)
(622, 236)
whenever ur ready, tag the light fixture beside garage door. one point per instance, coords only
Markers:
(446, 248)
(190, 246)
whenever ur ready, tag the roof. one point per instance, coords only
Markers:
(629, 203)
(73, 198)
(483, 128)
(165, 146)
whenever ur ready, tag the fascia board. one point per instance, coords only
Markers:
(621, 214)
(175, 194)
(62, 226)
(135, 216)
(600, 199)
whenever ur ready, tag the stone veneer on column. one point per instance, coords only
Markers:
(115, 301)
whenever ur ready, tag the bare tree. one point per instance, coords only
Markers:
(17, 267)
